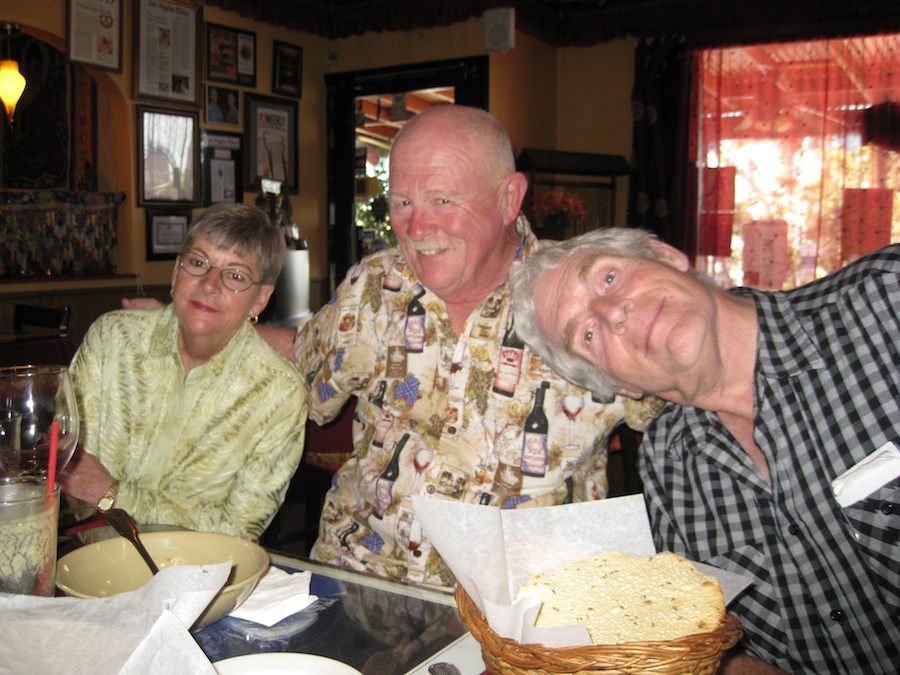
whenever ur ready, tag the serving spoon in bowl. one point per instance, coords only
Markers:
(124, 524)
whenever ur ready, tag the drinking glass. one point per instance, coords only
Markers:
(10, 435)
(41, 395)
(29, 521)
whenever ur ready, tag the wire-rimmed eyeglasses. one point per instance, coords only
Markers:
(233, 278)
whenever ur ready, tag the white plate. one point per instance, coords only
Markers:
(276, 663)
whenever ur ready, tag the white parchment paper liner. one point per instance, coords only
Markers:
(494, 551)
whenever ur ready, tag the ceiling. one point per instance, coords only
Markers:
(380, 117)
(586, 22)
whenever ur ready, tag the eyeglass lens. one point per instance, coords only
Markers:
(233, 278)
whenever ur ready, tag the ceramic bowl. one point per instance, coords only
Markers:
(114, 566)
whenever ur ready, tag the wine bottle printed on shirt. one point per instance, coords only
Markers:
(345, 535)
(510, 362)
(534, 440)
(385, 420)
(384, 486)
(414, 332)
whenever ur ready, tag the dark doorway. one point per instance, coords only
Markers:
(463, 81)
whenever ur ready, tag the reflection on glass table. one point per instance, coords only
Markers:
(378, 626)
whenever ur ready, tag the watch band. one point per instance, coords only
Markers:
(108, 500)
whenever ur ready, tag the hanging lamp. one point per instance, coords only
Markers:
(12, 84)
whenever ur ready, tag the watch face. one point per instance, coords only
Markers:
(105, 503)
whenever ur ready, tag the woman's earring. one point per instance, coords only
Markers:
(253, 319)
(172, 292)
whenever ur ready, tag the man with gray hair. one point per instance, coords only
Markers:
(780, 405)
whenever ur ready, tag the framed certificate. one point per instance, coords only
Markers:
(166, 228)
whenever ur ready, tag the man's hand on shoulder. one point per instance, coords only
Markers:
(280, 339)
(141, 303)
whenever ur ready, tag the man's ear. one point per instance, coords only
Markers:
(670, 255)
(516, 188)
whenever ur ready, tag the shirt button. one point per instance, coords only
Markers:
(417, 553)
(837, 615)
(794, 529)
(887, 508)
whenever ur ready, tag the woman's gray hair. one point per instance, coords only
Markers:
(246, 229)
(526, 275)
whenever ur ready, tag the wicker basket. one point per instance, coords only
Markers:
(699, 654)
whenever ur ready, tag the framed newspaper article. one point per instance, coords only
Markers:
(94, 33)
(166, 59)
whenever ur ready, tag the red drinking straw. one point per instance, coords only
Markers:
(51, 464)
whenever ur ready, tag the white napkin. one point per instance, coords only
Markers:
(866, 476)
(139, 633)
(277, 596)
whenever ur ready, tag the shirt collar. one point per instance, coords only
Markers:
(784, 348)
(164, 342)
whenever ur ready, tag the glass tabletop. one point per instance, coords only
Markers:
(376, 625)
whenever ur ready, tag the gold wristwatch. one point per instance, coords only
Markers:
(108, 500)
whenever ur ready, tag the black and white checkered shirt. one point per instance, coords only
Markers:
(826, 580)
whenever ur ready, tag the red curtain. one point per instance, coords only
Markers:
(799, 143)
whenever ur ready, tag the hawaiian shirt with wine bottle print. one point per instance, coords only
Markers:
(475, 417)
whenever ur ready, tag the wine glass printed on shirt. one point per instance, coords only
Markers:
(572, 404)
(421, 461)
(415, 535)
(456, 364)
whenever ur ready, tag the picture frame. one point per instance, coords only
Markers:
(168, 156)
(167, 56)
(222, 106)
(230, 55)
(270, 132)
(166, 228)
(287, 69)
(94, 33)
(222, 167)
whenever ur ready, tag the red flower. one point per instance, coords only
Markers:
(558, 202)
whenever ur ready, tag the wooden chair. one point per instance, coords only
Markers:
(41, 317)
(41, 337)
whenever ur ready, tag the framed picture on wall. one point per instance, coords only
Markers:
(168, 157)
(230, 55)
(167, 54)
(287, 69)
(270, 130)
(166, 228)
(222, 106)
(94, 33)
(222, 167)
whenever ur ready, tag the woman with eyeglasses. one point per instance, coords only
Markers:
(189, 417)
